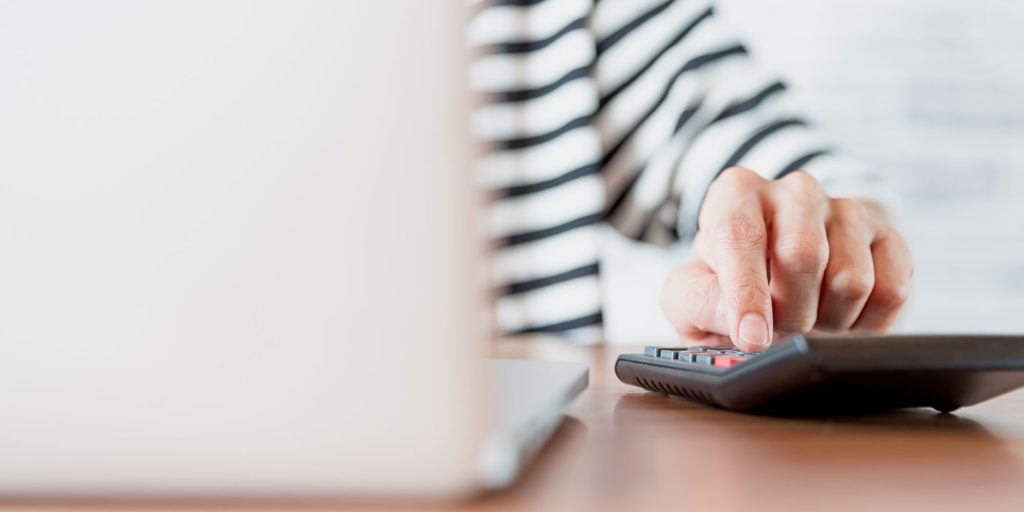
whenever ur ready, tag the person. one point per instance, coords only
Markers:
(651, 117)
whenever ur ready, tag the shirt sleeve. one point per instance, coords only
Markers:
(620, 113)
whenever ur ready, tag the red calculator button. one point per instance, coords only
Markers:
(727, 361)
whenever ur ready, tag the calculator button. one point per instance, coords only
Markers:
(651, 351)
(686, 357)
(668, 353)
(727, 361)
(696, 349)
(706, 359)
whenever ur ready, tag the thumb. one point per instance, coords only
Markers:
(691, 301)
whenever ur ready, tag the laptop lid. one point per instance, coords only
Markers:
(236, 249)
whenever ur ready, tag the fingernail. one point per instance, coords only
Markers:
(754, 330)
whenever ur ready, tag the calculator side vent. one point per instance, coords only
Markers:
(671, 389)
(704, 397)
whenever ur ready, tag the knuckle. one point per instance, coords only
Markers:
(852, 285)
(737, 174)
(887, 234)
(741, 230)
(750, 295)
(901, 242)
(735, 179)
(802, 184)
(890, 297)
(802, 253)
(892, 236)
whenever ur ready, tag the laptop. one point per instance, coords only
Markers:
(239, 257)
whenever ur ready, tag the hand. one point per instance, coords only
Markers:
(783, 256)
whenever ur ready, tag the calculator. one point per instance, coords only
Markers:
(835, 374)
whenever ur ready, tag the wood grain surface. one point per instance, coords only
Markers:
(622, 448)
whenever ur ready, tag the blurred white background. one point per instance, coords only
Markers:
(930, 93)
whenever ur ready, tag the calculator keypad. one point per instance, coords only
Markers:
(719, 357)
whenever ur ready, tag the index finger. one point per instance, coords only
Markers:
(733, 214)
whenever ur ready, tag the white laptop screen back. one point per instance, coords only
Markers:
(227, 225)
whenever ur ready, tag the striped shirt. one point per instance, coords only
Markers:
(617, 112)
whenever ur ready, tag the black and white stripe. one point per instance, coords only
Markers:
(620, 112)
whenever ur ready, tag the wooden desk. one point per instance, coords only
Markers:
(625, 449)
